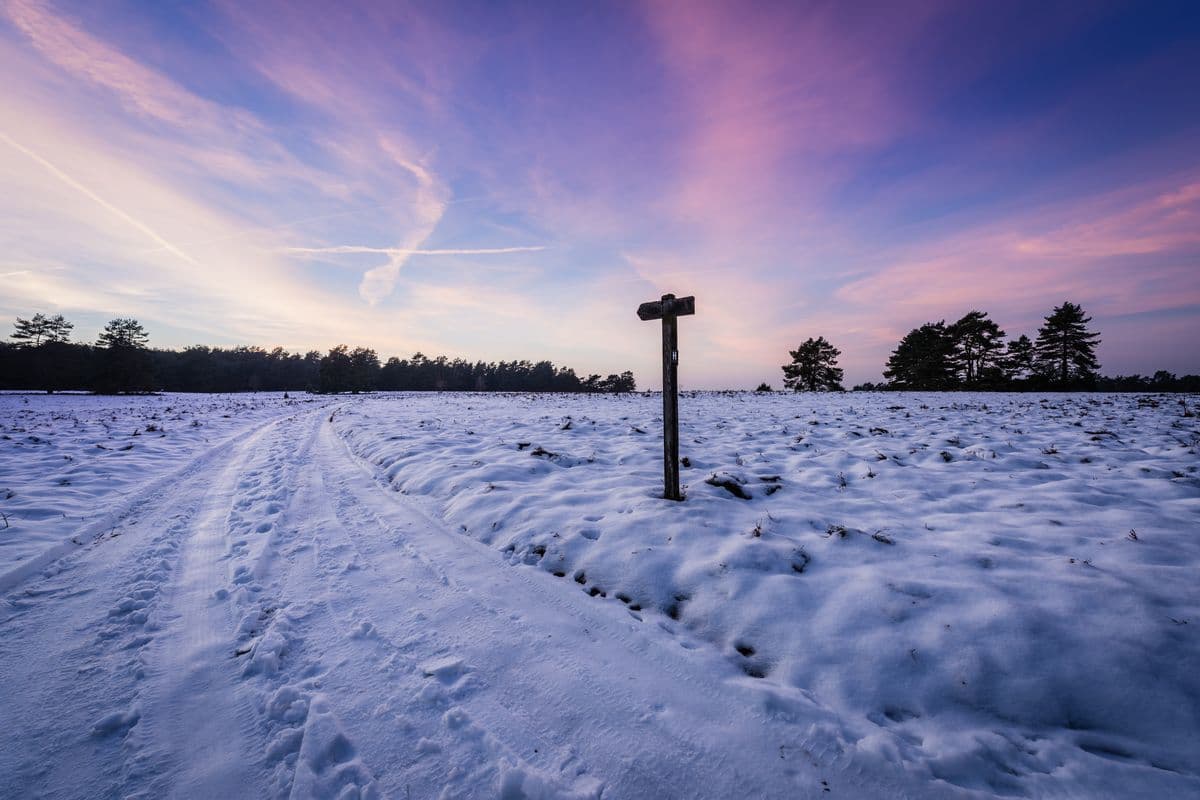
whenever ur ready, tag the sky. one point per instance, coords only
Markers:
(510, 180)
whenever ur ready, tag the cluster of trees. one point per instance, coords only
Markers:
(972, 353)
(1161, 381)
(41, 356)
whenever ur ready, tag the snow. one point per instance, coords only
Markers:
(461, 595)
(67, 456)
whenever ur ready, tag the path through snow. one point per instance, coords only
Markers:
(280, 622)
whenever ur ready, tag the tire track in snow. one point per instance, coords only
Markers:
(87, 669)
(323, 681)
(305, 750)
(423, 697)
(123, 513)
(191, 740)
(83, 634)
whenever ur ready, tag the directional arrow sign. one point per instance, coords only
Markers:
(669, 306)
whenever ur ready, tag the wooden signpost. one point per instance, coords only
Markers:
(668, 309)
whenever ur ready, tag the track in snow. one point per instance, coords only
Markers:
(280, 623)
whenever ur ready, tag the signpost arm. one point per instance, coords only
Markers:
(670, 405)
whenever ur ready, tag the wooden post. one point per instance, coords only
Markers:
(670, 331)
(669, 309)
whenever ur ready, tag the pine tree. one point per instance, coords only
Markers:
(125, 363)
(122, 332)
(58, 329)
(814, 367)
(978, 346)
(364, 369)
(923, 359)
(30, 332)
(41, 329)
(1065, 352)
(1018, 360)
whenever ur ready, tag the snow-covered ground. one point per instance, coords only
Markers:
(424, 595)
(66, 459)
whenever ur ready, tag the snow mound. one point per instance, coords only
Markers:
(996, 591)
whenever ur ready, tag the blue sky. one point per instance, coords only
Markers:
(500, 181)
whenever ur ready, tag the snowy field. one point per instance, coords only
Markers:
(424, 595)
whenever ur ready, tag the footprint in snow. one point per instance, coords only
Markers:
(327, 764)
(447, 669)
(364, 630)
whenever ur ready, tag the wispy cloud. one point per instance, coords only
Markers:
(140, 89)
(396, 251)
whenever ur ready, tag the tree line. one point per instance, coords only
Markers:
(41, 355)
(972, 354)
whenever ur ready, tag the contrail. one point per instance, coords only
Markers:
(74, 184)
(404, 251)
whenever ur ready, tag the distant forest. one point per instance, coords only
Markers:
(41, 356)
(969, 354)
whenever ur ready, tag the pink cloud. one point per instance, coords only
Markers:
(1123, 225)
(1071, 248)
(141, 90)
(333, 58)
(773, 100)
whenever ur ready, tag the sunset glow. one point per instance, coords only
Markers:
(499, 181)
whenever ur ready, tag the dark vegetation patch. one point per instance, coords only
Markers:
(729, 483)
